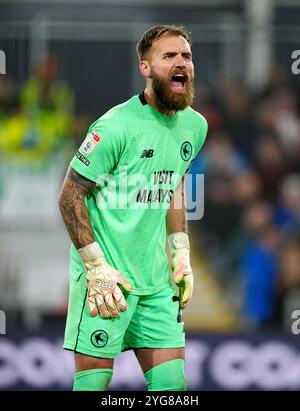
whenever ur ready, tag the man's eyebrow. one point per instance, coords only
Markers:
(173, 53)
(169, 53)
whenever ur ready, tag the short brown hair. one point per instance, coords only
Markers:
(157, 32)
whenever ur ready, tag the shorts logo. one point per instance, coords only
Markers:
(90, 142)
(186, 150)
(99, 338)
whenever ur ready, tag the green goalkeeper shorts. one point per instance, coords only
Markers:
(152, 321)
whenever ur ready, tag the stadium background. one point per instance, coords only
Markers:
(67, 62)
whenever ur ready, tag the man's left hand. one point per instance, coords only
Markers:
(181, 266)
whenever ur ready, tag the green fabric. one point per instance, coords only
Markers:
(149, 322)
(135, 143)
(92, 380)
(168, 376)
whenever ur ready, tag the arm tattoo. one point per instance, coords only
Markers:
(84, 183)
(73, 209)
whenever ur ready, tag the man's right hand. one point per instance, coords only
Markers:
(104, 295)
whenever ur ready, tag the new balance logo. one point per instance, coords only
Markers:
(147, 154)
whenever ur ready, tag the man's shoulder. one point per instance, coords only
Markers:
(191, 114)
(196, 123)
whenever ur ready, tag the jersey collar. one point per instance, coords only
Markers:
(142, 98)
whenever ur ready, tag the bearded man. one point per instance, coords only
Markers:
(122, 201)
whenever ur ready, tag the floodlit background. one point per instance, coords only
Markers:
(66, 62)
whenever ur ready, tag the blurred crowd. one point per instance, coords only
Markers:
(37, 118)
(251, 225)
(250, 233)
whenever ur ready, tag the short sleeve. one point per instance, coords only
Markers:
(101, 150)
(201, 136)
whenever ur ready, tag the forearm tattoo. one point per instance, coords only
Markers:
(73, 209)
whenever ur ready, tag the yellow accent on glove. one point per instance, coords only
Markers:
(181, 266)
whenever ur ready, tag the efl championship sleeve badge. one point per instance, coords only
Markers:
(89, 144)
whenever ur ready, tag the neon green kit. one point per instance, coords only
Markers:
(149, 153)
(137, 156)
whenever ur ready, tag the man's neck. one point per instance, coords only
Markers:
(149, 97)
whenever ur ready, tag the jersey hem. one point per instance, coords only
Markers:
(86, 173)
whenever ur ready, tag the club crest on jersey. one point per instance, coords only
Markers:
(90, 142)
(186, 150)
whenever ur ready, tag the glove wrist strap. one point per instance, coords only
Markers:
(90, 252)
(178, 240)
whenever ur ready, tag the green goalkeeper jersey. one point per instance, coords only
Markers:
(137, 156)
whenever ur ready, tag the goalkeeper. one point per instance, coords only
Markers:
(121, 295)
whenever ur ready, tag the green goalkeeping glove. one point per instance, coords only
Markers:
(104, 295)
(180, 266)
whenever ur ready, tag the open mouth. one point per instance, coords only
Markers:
(179, 81)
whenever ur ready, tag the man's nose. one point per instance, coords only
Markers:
(180, 61)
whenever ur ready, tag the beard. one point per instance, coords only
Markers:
(167, 100)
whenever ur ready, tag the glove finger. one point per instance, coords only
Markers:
(186, 292)
(92, 305)
(103, 311)
(183, 270)
(125, 284)
(184, 299)
(178, 276)
(183, 295)
(111, 305)
(120, 299)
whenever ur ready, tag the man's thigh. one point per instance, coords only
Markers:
(151, 357)
(85, 362)
(94, 336)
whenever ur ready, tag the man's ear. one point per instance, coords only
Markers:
(145, 68)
